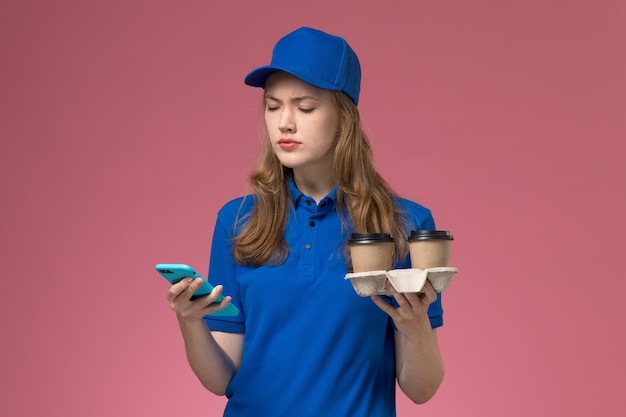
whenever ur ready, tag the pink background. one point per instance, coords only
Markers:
(125, 125)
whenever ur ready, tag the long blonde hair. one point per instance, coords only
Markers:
(362, 195)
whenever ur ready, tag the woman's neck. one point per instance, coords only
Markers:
(315, 186)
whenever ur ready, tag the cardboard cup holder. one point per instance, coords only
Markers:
(369, 283)
(403, 280)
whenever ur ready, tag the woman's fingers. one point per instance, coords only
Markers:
(211, 298)
(428, 293)
(410, 305)
(193, 287)
(176, 289)
(215, 306)
(384, 306)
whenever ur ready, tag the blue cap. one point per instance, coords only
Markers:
(325, 61)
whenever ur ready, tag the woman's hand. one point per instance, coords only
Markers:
(412, 310)
(179, 296)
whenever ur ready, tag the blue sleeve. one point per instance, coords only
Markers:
(223, 271)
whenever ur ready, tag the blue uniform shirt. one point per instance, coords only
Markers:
(312, 346)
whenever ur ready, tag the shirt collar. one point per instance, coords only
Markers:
(297, 196)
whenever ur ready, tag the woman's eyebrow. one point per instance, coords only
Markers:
(295, 99)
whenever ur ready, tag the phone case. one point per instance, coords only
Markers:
(176, 272)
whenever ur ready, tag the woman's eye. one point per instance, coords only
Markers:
(307, 110)
(271, 108)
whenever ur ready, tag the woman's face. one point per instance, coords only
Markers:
(302, 123)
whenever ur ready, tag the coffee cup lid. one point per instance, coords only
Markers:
(429, 235)
(358, 238)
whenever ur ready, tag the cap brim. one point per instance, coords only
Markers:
(258, 77)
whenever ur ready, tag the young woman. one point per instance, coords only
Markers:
(304, 343)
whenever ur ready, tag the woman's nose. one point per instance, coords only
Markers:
(286, 122)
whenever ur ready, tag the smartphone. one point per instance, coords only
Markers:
(174, 273)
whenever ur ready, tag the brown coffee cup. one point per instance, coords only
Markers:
(371, 251)
(430, 248)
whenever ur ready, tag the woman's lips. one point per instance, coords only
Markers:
(288, 143)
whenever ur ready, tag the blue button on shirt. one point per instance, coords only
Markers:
(312, 346)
